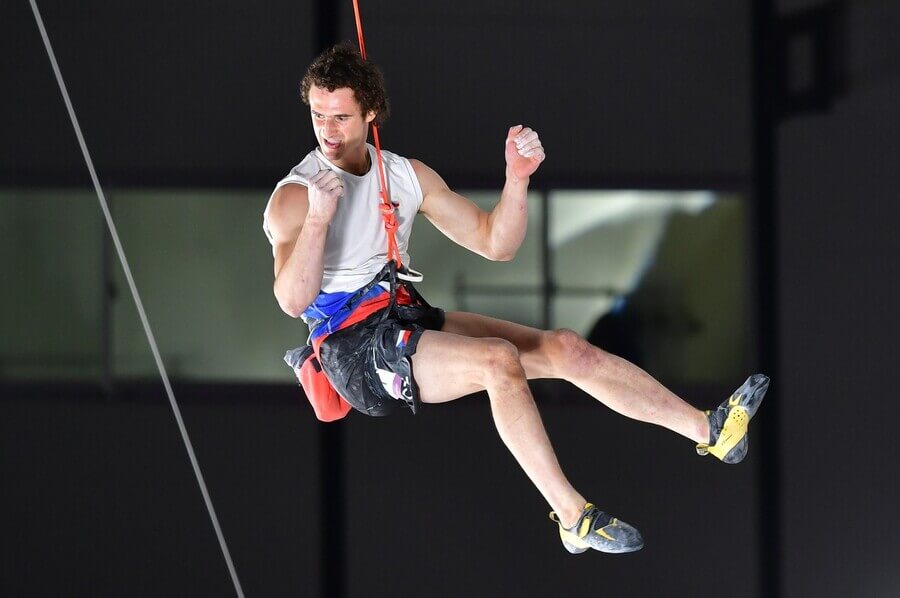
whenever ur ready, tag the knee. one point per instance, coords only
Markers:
(500, 359)
(568, 353)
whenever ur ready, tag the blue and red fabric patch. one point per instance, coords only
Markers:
(403, 338)
(328, 309)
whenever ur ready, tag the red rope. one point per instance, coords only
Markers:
(359, 31)
(388, 212)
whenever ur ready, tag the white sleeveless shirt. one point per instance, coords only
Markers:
(356, 242)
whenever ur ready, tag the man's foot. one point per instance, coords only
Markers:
(728, 424)
(596, 529)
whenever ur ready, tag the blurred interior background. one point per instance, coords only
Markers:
(719, 198)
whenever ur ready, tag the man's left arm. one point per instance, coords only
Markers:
(496, 235)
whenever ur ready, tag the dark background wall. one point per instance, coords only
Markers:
(210, 90)
(838, 191)
(97, 498)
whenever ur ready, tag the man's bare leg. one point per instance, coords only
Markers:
(617, 383)
(448, 366)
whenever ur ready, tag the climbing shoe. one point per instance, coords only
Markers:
(598, 530)
(728, 424)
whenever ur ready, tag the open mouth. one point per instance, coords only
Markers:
(330, 145)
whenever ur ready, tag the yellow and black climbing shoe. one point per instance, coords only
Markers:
(728, 424)
(596, 529)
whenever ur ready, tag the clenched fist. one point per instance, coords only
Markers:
(524, 152)
(325, 189)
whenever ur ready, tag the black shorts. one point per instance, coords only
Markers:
(370, 363)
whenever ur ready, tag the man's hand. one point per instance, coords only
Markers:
(325, 188)
(524, 152)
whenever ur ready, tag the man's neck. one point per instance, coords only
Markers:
(358, 165)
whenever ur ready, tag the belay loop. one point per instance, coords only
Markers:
(388, 210)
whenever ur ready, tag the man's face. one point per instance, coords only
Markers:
(337, 119)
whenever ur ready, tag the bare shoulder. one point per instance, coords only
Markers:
(434, 189)
(287, 212)
(429, 180)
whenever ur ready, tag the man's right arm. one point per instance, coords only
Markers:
(298, 220)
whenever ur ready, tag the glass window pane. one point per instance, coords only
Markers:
(457, 279)
(204, 271)
(52, 285)
(657, 277)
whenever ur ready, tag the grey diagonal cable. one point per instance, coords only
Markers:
(137, 301)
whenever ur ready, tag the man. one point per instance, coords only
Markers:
(383, 347)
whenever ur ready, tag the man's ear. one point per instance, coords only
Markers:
(371, 116)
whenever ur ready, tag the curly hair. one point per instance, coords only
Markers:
(342, 66)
